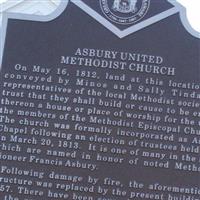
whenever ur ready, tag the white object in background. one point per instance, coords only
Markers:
(193, 13)
(38, 7)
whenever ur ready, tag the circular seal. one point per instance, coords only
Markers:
(124, 11)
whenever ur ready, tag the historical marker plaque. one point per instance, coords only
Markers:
(100, 101)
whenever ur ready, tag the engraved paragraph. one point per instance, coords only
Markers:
(67, 130)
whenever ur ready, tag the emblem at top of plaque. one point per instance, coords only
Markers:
(125, 11)
(125, 6)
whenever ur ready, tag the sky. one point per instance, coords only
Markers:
(193, 7)
(193, 14)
